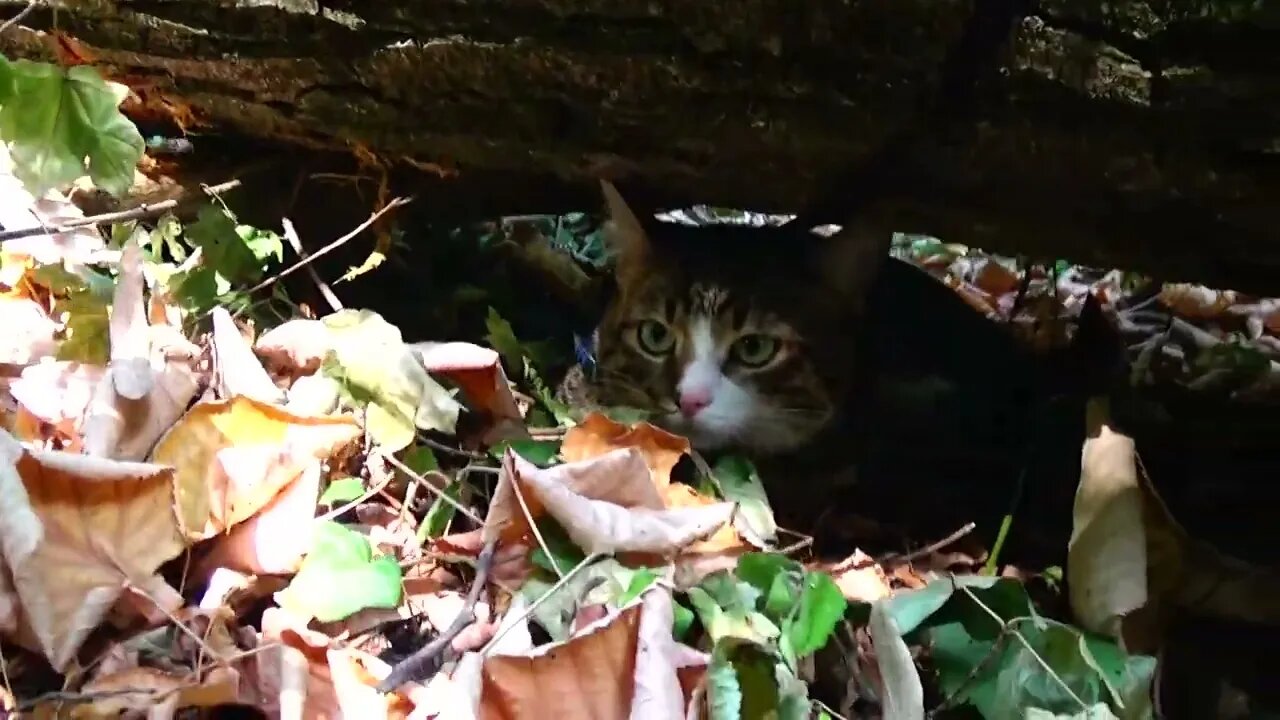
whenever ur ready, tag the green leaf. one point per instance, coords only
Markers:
(342, 490)
(684, 618)
(88, 331)
(440, 514)
(539, 452)
(421, 459)
(821, 607)
(225, 250)
(640, 582)
(502, 337)
(340, 576)
(381, 376)
(741, 484)
(55, 119)
(566, 554)
(741, 681)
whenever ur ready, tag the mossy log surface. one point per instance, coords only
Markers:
(1136, 134)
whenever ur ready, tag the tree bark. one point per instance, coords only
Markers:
(1121, 133)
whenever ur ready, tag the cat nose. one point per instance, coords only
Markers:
(693, 401)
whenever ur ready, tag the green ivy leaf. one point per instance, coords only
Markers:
(421, 459)
(441, 513)
(55, 119)
(88, 333)
(340, 576)
(539, 452)
(342, 490)
(225, 250)
(821, 606)
(382, 377)
(741, 483)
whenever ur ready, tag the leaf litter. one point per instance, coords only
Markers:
(321, 519)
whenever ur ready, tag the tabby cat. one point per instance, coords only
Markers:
(804, 350)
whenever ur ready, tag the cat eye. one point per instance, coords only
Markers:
(755, 350)
(655, 337)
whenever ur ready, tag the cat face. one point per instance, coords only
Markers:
(732, 336)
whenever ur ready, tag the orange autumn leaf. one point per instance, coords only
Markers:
(597, 435)
(234, 456)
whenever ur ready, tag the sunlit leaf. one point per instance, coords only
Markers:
(341, 576)
(55, 120)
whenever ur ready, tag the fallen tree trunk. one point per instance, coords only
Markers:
(1134, 134)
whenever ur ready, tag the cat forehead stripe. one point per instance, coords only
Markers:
(707, 300)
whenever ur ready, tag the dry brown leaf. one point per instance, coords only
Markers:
(591, 676)
(478, 371)
(566, 492)
(597, 435)
(234, 456)
(861, 578)
(1195, 302)
(294, 348)
(1107, 553)
(994, 278)
(75, 531)
(141, 689)
(306, 676)
(679, 495)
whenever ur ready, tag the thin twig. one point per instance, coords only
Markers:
(142, 211)
(397, 202)
(417, 666)
(1025, 644)
(509, 622)
(338, 511)
(438, 492)
(449, 449)
(930, 548)
(537, 534)
(18, 18)
(291, 234)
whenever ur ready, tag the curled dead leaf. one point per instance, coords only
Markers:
(597, 435)
(75, 532)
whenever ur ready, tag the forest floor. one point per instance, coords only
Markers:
(232, 479)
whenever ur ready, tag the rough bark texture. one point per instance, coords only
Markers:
(1116, 132)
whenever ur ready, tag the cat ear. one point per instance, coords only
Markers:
(623, 231)
(850, 260)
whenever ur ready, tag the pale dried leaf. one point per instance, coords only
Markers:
(128, 328)
(902, 693)
(276, 537)
(117, 426)
(296, 347)
(657, 687)
(58, 393)
(601, 526)
(861, 579)
(1107, 553)
(239, 370)
(620, 477)
(75, 531)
